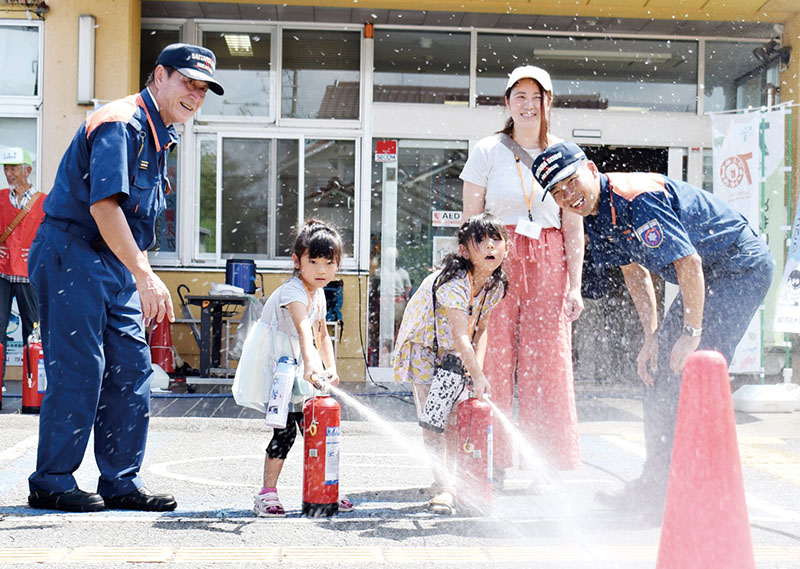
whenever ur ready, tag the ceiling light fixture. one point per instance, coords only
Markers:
(603, 55)
(239, 45)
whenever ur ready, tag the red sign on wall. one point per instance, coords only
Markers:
(385, 151)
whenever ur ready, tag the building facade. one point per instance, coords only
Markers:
(364, 116)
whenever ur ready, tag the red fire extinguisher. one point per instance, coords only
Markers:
(161, 346)
(474, 461)
(34, 379)
(321, 420)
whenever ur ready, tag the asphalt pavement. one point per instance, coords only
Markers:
(209, 454)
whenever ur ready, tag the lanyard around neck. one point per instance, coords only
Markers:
(528, 197)
(473, 327)
(140, 102)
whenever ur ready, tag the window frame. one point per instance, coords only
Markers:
(28, 106)
(199, 128)
(208, 26)
(308, 123)
(205, 133)
(35, 100)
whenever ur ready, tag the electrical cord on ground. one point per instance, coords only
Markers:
(777, 531)
(605, 471)
(361, 332)
(752, 525)
(364, 349)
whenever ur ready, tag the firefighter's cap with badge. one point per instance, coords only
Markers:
(15, 155)
(558, 162)
(193, 61)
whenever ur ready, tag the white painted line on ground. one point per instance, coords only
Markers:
(19, 449)
(774, 463)
(626, 445)
(781, 514)
(164, 469)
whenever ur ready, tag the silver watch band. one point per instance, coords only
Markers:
(691, 331)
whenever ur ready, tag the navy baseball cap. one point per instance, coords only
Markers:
(193, 61)
(556, 163)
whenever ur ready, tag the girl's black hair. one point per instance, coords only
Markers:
(318, 239)
(476, 229)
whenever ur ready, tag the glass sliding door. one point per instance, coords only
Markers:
(406, 243)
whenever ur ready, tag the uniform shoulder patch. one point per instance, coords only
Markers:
(121, 110)
(651, 234)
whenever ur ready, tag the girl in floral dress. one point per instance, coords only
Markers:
(467, 288)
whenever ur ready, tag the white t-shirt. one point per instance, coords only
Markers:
(291, 291)
(491, 165)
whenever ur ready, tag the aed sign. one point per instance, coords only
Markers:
(385, 151)
(445, 218)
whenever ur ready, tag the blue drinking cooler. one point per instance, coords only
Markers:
(241, 273)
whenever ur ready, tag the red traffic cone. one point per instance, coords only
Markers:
(161, 346)
(705, 517)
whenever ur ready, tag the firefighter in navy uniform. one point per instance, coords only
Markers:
(649, 222)
(97, 290)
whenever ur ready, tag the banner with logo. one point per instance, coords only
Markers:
(737, 162)
(749, 153)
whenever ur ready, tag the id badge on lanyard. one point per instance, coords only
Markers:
(527, 226)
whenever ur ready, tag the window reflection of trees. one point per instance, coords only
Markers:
(245, 196)
(330, 185)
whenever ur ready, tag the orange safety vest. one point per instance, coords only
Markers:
(18, 243)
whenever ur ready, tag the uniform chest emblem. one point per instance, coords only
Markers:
(651, 234)
(144, 164)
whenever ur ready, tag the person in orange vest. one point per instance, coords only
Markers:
(20, 215)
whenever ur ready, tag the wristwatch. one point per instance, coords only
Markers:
(692, 332)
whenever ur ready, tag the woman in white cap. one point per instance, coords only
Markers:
(530, 331)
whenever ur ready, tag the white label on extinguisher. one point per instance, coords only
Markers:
(42, 377)
(332, 436)
(489, 452)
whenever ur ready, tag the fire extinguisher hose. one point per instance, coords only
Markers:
(468, 446)
(312, 428)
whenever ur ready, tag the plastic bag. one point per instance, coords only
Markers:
(251, 314)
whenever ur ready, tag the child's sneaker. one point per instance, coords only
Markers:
(268, 505)
(345, 505)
